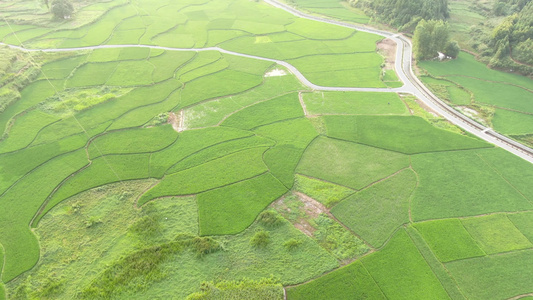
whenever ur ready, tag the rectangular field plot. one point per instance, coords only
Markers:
(213, 112)
(349, 164)
(138, 140)
(220, 150)
(297, 132)
(518, 172)
(281, 108)
(406, 134)
(222, 83)
(103, 170)
(524, 223)
(325, 192)
(25, 129)
(282, 160)
(496, 233)
(375, 213)
(132, 73)
(460, 183)
(448, 239)
(61, 69)
(354, 103)
(92, 74)
(494, 277)
(231, 209)
(512, 123)
(188, 143)
(401, 272)
(318, 30)
(343, 70)
(349, 282)
(216, 173)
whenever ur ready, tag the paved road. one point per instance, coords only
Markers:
(403, 66)
(414, 86)
(290, 67)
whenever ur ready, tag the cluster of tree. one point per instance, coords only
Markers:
(508, 7)
(512, 41)
(61, 9)
(432, 37)
(404, 14)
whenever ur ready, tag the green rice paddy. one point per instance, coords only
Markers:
(467, 82)
(124, 171)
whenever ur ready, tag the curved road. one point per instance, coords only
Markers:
(414, 86)
(403, 66)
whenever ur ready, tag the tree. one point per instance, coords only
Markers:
(452, 49)
(62, 9)
(432, 37)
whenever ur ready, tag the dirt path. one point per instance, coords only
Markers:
(302, 103)
(387, 48)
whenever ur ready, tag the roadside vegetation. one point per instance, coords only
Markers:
(129, 170)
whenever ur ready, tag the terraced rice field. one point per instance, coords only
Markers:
(128, 170)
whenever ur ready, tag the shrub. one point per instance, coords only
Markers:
(260, 239)
(292, 244)
(62, 9)
(270, 218)
(204, 245)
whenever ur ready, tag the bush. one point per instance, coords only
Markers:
(260, 239)
(292, 244)
(62, 9)
(270, 218)
(204, 245)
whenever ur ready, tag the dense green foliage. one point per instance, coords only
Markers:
(62, 9)
(512, 40)
(432, 37)
(404, 14)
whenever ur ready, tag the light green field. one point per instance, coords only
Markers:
(343, 103)
(496, 234)
(494, 277)
(401, 272)
(472, 186)
(376, 212)
(523, 222)
(449, 240)
(349, 282)
(325, 192)
(349, 164)
(405, 134)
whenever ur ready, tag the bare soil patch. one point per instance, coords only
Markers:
(387, 48)
(276, 72)
(177, 121)
(310, 208)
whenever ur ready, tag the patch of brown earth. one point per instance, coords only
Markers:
(387, 48)
(311, 207)
(311, 210)
(177, 121)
